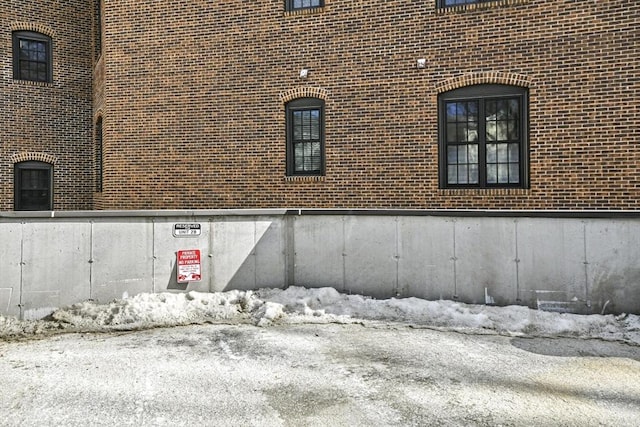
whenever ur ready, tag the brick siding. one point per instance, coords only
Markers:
(49, 122)
(192, 95)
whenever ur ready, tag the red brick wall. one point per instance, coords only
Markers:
(195, 117)
(49, 121)
(192, 96)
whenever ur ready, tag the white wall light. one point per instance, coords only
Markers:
(421, 63)
(304, 73)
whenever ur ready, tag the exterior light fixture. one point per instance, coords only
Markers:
(421, 63)
(304, 73)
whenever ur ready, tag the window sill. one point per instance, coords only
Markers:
(33, 83)
(443, 10)
(484, 191)
(308, 11)
(304, 178)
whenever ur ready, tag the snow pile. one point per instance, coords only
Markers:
(324, 305)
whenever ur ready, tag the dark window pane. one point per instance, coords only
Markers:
(473, 153)
(503, 156)
(503, 173)
(299, 157)
(452, 175)
(452, 135)
(462, 133)
(461, 112)
(491, 107)
(316, 156)
(514, 107)
(473, 174)
(452, 154)
(492, 173)
(514, 173)
(492, 153)
(315, 130)
(513, 130)
(501, 127)
(463, 171)
(472, 132)
(514, 153)
(462, 154)
(451, 112)
(297, 125)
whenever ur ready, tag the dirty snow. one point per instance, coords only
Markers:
(296, 305)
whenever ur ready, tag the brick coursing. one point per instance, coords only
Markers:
(192, 95)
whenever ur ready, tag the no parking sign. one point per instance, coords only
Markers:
(189, 266)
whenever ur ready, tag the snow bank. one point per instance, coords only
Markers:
(323, 305)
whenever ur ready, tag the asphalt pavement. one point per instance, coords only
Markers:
(317, 375)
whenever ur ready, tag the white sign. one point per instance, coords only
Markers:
(186, 230)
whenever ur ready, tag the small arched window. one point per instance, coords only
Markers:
(33, 186)
(305, 136)
(32, 58)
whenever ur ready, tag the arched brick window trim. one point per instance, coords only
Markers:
(304, 92)
(491, 77)
(33, 26)
(38, 157)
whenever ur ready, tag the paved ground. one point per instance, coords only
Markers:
(353, 375)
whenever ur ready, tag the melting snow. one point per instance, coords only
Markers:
(266, 307)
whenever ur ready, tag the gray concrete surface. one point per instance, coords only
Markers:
(317, 375)
(573, 263)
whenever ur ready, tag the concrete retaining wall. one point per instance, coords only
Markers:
(580, 262)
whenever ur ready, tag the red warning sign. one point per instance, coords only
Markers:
(189, 266)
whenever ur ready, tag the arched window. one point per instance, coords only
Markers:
(32, 56)
(305, 136)
(33, 186)
(483, 137)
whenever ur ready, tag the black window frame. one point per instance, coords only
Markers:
(443, 3)
(20, 203)
(482, 94)
(17, 37)
(304, 105)
(290, 5)
(98, 29)
(99, 156)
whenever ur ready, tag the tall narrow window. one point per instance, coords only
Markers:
(98, 156)
(483, 137)
(305, 137)
(303, 4)
(32, 57)
(98, 28)
(33, 186)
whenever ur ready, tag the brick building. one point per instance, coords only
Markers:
(46, 105)
(447, 104)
